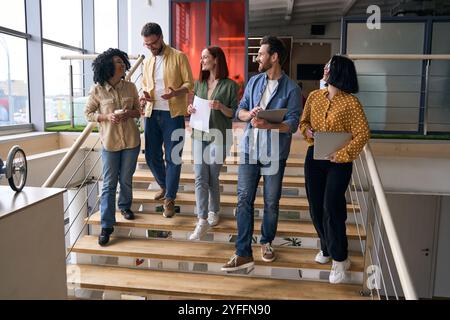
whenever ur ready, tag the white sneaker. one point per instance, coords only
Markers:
(200, 230)
(213, 219)
(320, 258)
(338, 271)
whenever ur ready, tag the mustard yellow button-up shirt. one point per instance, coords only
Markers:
(343, 113)
(105, 100)
(177, 74)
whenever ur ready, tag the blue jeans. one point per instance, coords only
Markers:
(158, 130)
(248, 179)
(208, 160)
(118, 166)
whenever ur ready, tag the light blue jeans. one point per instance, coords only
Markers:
(208, 160)
(118, 166)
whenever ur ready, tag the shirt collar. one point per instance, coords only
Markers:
(325, 93)
(266, 77)
(109, 87)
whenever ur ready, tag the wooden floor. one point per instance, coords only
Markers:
(155, 221)
(233, 160)
(207, 252)
(147, 281)
(204, 286)
(224, 178)
(188, 198)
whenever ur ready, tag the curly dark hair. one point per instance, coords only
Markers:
(103, 65)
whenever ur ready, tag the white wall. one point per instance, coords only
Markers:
(442, 279)
(422, 175)
(139, 13)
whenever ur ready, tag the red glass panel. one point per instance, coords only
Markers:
(189, 31)
(228, 32)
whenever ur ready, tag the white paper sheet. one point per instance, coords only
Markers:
(200, 119)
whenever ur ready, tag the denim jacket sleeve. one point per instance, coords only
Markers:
(244, 104)
(294, 109)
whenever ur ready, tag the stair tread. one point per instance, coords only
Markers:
(224, 178)
(205, 286)
(226, 200)
(234, 160)
(199, 251)
(155, 221)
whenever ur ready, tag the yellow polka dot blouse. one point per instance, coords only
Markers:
(343, 113)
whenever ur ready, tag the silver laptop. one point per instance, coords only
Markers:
(273, 116)
(326, 143)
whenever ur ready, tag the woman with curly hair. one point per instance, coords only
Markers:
(114, 104)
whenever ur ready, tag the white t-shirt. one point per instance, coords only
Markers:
(272, 85)
(270, 89)
(160, 103)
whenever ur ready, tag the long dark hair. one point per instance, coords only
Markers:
(343, 74)
(103, 65)
(221, 68)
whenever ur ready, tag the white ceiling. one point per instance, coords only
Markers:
(272, 13)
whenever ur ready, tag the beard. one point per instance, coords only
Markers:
(157, 52)
(264, 67)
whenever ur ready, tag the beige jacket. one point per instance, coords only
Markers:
(104, 100)
(177, 73)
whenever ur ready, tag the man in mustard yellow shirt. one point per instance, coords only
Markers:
(166, 82)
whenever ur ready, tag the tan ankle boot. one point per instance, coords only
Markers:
(169, 208)
(160, 195)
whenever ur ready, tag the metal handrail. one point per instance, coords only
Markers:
(50, 182)
(399, 56)
(394, 242)
(91, 57)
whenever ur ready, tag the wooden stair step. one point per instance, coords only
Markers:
(156, 221)
(203, 286)
(224, 178)
(233, 160)
(206, 252)
(186, 198)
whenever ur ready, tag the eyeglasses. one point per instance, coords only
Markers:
(151, 44)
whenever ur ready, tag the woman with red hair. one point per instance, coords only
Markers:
(210, 148)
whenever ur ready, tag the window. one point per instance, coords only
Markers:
(13, 81)
(14, 105)
(228, 32)
(188, 31)
(438, 104)
(12, 14)
(106, 25)
(57, 83)
(62, 21)
(390, 91)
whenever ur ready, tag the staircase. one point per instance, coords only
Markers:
(150, 257)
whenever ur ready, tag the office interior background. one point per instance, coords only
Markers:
(44, 85)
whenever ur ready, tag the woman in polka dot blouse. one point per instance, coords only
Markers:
(333, 109)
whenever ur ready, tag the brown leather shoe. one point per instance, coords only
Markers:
(267, 252)
(169, 208)
(237, 263)
(160, 195)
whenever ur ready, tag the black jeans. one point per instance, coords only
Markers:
(326, 183)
